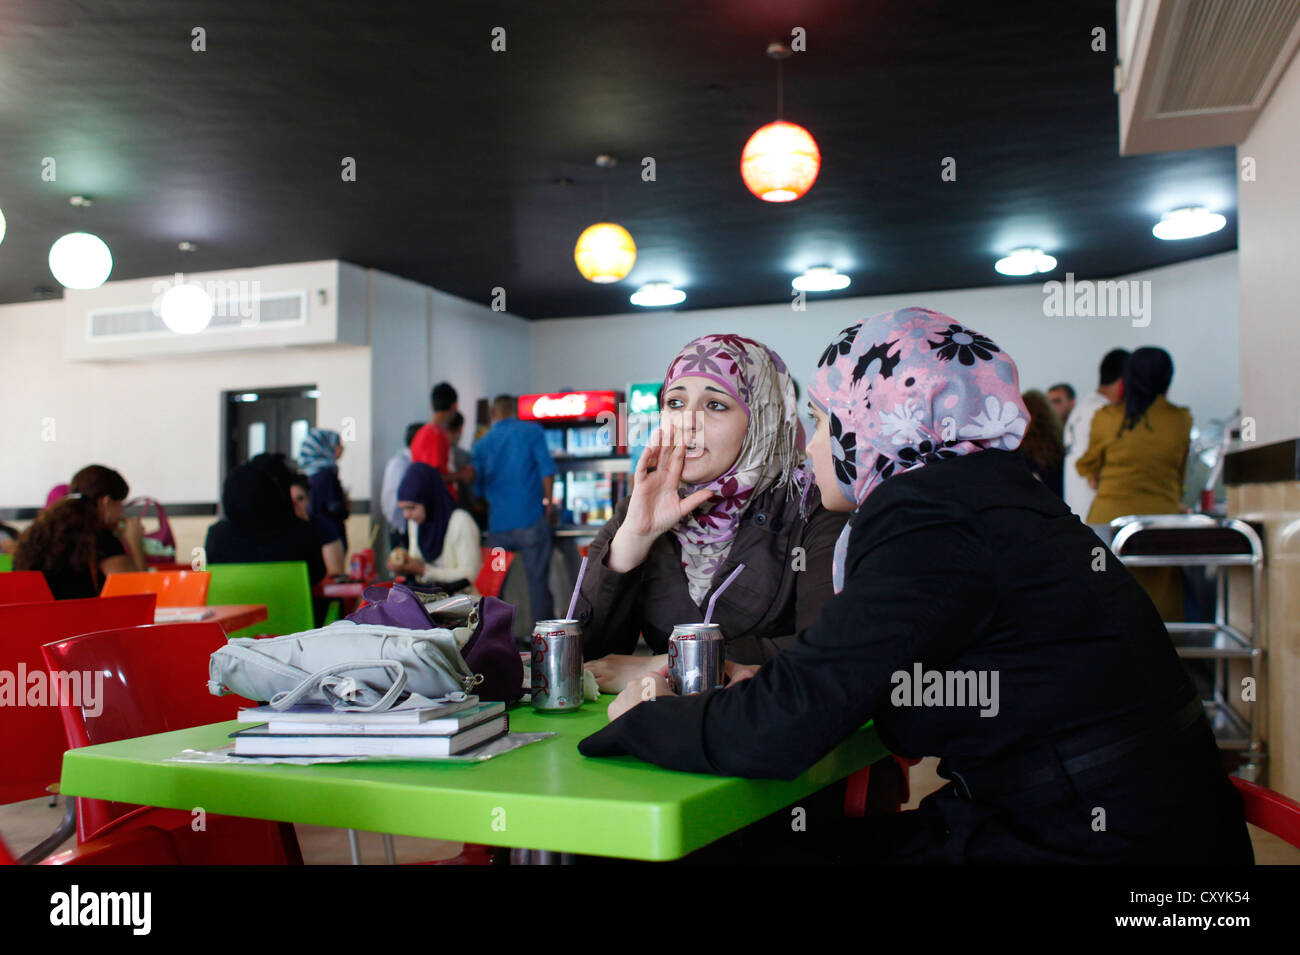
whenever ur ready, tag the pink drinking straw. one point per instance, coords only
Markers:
(708, 614)
(573, 603)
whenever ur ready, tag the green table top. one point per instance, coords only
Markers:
(542, 796)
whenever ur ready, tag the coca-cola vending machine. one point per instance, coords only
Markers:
(586, 432)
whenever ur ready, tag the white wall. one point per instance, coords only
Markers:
(1193, 315)
(1268, 220)
(481, 352)
(157, 421)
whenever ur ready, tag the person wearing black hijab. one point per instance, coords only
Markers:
(443, 539)
(260, 525)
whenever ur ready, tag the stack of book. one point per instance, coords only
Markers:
(430, 732)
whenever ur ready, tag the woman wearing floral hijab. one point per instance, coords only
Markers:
(1086, 741)
(722, 483)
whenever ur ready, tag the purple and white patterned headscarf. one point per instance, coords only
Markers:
(907, 388)
(771, 456)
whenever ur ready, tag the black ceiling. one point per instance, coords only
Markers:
(461, 152)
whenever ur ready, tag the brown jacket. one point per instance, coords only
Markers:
(760, 614)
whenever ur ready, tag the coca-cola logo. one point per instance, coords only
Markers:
(563, 406)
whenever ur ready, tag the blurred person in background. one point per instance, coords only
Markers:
(1136, 458)
(394, 471)
(260, 525)
(432, 443)
(1042, 446)
(514, 471)
(1061, 397)
(328, 503)
(82, 537)
(442, 546)
(1078, 427)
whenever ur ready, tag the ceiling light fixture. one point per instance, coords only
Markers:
(1189, 222)
(657, 295)
(781, 160)
(1025, 261)
(80, 260)
(820, 278)
(185, 309)
(605, 251)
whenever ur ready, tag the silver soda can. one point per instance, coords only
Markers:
(695, 658)
(557, 665)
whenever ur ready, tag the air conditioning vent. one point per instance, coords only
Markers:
(274, 310)
(1222, 52)
(1196, 73)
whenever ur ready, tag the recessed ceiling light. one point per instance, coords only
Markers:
(1189, 222)
(1025, 261)
(820, 278)
(657, 295)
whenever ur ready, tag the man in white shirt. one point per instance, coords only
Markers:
(394, 471)
(1078, 429)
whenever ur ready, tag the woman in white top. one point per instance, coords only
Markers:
(443, 540)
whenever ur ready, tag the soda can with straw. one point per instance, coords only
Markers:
(696, 651)
(557, 665)
(696, 658)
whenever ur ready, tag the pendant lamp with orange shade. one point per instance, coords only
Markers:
(605, 251)
(781, 160)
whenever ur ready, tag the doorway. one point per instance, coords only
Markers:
(267, 421)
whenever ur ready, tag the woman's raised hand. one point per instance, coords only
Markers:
(655, 506)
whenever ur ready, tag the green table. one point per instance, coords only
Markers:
(545, 796)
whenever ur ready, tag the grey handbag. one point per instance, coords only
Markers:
(355, 667)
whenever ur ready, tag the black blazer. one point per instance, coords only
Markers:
(971, 565)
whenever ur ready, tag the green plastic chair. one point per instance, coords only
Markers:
(283, 587)
(6, 562)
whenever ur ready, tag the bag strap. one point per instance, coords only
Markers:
(340, 690)
(336, 690)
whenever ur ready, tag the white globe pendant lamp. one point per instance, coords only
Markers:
(80, 260)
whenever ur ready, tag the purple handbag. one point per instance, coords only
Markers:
(490, 653)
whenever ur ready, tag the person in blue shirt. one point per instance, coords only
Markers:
(513, 470)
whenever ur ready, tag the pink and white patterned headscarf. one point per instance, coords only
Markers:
(771, 456)
(907, 388)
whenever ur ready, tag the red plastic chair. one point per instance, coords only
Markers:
(175, 588)
(146, 845)
(855, 796)
(1270, 810)
(156, 683)
(490, 578)
(24, 587)
(31, 737)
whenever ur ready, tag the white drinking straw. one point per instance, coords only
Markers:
(708, 614)
(577, 588)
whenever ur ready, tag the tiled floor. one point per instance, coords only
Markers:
(24, 824)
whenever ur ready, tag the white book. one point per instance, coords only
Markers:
(441, 726)
(323, 713)
(258, 742)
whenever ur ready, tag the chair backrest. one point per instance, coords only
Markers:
(283, 587)
(493, 572)
(1270, 810)
(147, 845)
(24, 587)
(6, 562)
(32, 738)
(156, 681)
(175, 588)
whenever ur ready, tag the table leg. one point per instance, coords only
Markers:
(354, 846)
(389, 855)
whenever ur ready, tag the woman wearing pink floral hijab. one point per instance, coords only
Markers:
(976, 620)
